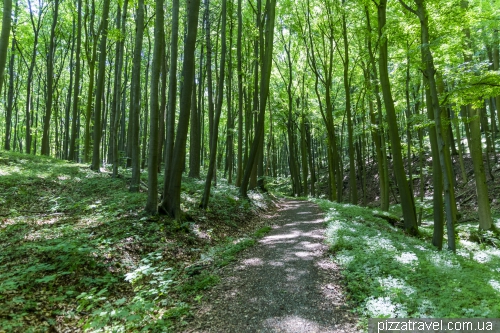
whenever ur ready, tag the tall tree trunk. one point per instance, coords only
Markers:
(4, 36)
(117, 88)
(347, 87)
(407, 203)
(172, 94)
(50, 81)
(29, 99)
(68, 98)
(10, 95)
(230, 116)
(91, 55)
(196, 133)
(135, 99)
(194, 138)
(72, 156)
(220, 98)
(264, 91)
(239, 167)
(484, 210)
(145, 114)
(96, 158)
(172, 195)
(209, 73)
(152, 203)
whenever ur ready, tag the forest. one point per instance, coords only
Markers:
(133, 123)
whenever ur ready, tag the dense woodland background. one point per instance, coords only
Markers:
(250, 91)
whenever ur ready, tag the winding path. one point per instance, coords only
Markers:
(286, 283)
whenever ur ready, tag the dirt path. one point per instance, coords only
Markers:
(286, 283)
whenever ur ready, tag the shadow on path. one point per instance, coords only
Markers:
(286, 283)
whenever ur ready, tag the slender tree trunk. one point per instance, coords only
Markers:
(484, 210)
(29, 98)
(145, 114)
(172, 94)
(264, 90)
(50, 82)
(117, 88)
(96, 158)
(135, 99)
(91, 55)
(196, 133)
(172, 195)
(152, 203)
(220, 98)
(230, 117)
(239, 167)
(194, 138)
(10, 95)
(68, 98)
(407, 203)
(347, 87)
(209, 73)
(4, 36)
(72, 156)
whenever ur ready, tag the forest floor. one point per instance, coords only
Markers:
(78, 253)
(286, 283)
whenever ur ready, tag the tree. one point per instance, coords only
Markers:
(172, 195)
(72, 155)
(4, 36)
(152, 203)
(172, 94)
(50, 81)
(215, 129)
(407, 203)
(10, 101)
(264, 91)
(96, 155)
(135, 99)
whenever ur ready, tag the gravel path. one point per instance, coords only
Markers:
(286, 283)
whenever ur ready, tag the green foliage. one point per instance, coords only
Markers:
(389, 274)
(262, 232)
(76, 245)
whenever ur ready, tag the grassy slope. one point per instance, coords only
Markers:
(76, 251)
(389, 274)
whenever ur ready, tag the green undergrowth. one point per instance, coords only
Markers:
(389, 274)
(77, 253)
